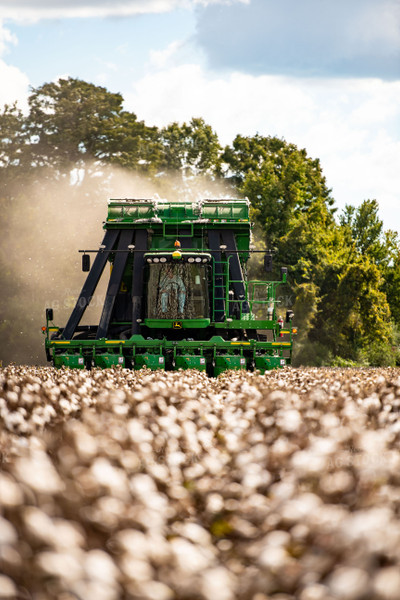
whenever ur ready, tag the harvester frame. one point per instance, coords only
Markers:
(199, 250)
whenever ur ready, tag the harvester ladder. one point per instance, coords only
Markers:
(218, 309)
(226, 270)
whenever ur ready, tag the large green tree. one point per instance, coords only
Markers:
(72, 125)
(14, 150)
(190, 148)
(72, 122)
(366, 238)
(188, 165)
(365, 230)
(280, 181)
(336, 269)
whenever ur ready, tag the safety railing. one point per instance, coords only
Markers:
(259, 299)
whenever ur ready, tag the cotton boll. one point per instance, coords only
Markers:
(339, 482)
(8, 533)
(135, 569)
(189, 557)
(214, 503)
(39, 473)
(10, 493)
(277, 538)
(194, 533)
(8, 589)
(288, 421)
(110, 477)
(65, 565)
(217, 583)
(153, 590)
(349, 583)
(315, 591)
(99, 566)
(386, 583)
(308, 463)
(273, 558)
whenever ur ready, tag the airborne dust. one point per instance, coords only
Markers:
(43, 229)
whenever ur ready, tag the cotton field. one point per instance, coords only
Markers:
(147, 485)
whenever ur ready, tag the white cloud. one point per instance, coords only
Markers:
(34, 10)
(14, 83)
(351, 125)
(163, 58)
(6, 38)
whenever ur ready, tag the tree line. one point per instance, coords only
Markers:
(344, 269)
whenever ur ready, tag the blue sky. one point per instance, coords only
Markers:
(323, 74)
(114, 49)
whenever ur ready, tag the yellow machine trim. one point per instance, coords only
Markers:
(115, 341)
(240, 343)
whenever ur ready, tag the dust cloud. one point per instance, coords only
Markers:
(42, 230)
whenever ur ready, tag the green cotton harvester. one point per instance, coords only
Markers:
(178, 296)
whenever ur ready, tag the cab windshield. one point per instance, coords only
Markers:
(177, 291)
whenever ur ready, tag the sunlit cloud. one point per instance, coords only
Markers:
(14, 83)
(7, 39)
(34, 10)
(350, 125)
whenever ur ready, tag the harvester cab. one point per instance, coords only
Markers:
(177, 296)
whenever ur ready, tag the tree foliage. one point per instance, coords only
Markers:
(344, 272)
(365, 230)
(72, 122)
(13, 150)
(191, 148)
(280, 181)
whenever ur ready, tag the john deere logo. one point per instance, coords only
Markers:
(177, 325)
